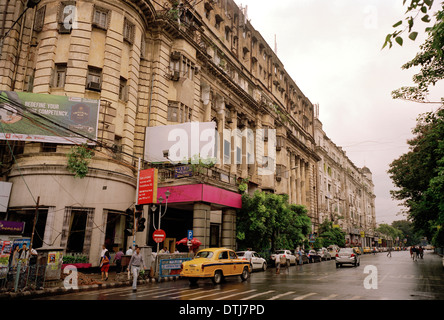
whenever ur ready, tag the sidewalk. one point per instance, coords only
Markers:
(86, 282)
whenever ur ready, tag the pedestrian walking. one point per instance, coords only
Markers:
(300, 262)
(278, 263)
(421, 252)
(104, 265)
(389, 252)
(415, 254)
(118, 260)
(135, 264)
(248, 256)
(411, 252)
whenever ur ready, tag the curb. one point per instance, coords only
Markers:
(62, 290)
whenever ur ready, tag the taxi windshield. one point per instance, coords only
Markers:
(204, 254)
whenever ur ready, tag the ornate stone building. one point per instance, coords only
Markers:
(345, 192)
(152, 64)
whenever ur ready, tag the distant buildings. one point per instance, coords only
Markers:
(151, 66)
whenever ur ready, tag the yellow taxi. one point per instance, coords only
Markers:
(367, 250)
(215, 263)
(357, 250)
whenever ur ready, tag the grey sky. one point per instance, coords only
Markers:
(332, 50)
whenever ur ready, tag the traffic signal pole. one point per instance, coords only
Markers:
(137, 202)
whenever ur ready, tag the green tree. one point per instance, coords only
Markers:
(419, 175)
(331, 235)
(390, 231)
(406, 227)
(430, 59)
(268, 221)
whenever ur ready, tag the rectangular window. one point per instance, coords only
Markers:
(128, 31)
(100, 18)
(173, 111)
(178, 112)
(94, 79)
(66, 16)
(123, 89)
(227, 150)
(59, 75)
(39, 19)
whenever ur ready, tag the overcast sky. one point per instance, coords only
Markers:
(332, 50)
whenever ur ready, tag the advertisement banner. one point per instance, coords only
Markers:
(20, 251)
(11, 227)
(65, 120)
(5, 251)
(147, 186)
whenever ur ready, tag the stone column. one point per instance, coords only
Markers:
(292, 191)
(229, 228)
(201, 223)
(298, 181)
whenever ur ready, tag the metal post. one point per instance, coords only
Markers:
(17, 275)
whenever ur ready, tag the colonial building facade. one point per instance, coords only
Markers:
(345, 192)
(156, 64)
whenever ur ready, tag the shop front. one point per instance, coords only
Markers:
(209, 211)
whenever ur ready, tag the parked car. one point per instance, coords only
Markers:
(325, 255)
(347, 256)
(215, 263)
(290, 258)
(313, 256)
(367, 250)
(333, 250)
(257, 262)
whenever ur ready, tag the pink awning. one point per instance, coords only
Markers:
(201, 193)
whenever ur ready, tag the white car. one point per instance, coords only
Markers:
(325, 255)
(289, 257)
(257, 263)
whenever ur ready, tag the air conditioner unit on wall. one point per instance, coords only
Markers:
(93, 86)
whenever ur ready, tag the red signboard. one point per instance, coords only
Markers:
(147, 186)
(159, 236)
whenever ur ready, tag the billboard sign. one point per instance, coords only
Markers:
(49, 118)
(5, 192)
(147, 186)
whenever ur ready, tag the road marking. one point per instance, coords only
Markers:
(177, 292)
(145, 292)
(281, 295)
(256, 295)
(214, 294)
(305, 296)
(191, 294)
(330, 297)
(236, 294)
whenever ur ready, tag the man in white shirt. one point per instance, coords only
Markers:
(129, 252)
(248, 256)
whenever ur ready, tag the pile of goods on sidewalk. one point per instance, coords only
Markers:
(83, 279)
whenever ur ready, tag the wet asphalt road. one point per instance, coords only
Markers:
(377, 278)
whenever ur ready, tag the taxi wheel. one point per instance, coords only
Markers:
(245, 274)
(192, 280)
(264, 266)
(218, 276)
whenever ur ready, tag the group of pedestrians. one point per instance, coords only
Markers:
(134, 267)
(416, 252)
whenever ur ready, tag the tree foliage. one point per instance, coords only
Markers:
(430, 59)
(268, 221)
(78, 160)
(419, 175)
(330, 235)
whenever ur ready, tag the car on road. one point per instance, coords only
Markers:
(333, 250)
(290, 258)
(347, 256)
(313, 256)
(367, 250)
(257, 262)
(325, 255)
(216, 264)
